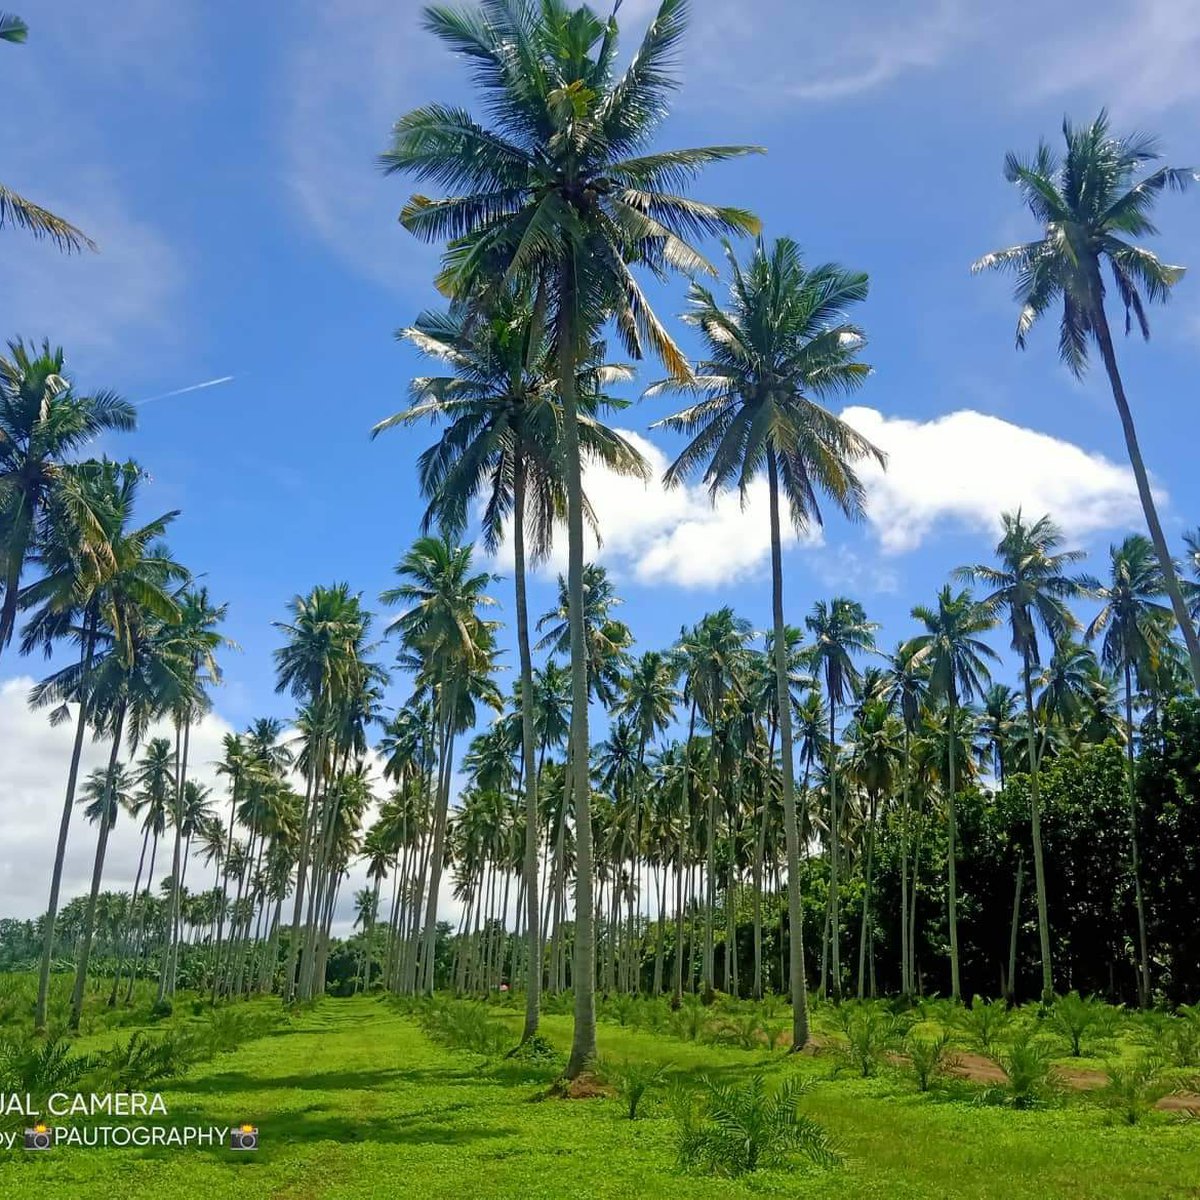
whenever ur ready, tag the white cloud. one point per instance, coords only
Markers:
(960, 470)
(34, 757)
(676, 535)
(966, 468)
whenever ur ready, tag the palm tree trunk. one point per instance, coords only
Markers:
(316, 754)
(865, 932)
(446, 740)
(1134, 861)
(1035, 813)
(1016, 918)
(533, 971)
(583, 1043)
(166, 982)
(684, 829)
(905, 980)
(127, 937)
(64, 825)
(796, 981)
(1165, 560)
(952, 860)
(97, 871)
(835, 920)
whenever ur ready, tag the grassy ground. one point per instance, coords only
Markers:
(353, 1100)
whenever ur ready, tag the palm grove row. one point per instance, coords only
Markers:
(900, 795)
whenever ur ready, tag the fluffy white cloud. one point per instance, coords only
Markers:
(962, 470)
(967, 468)
(673, 535)
(34, 758)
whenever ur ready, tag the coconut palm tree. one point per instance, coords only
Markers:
(906, 682)
(195, 639)
(782, 346)
(840, 631)
(1134, 628)
(1090, 202)
(1032, 589)
(648, 703)
(876, 748)
(320, 664)
(957, 662)
(562, 196)
(502, 444)
(103, 578)
(452, 647)
(137, 682)
(606, 639)
(154, 778)
(15, 209)
(709, 657)
(43, 421)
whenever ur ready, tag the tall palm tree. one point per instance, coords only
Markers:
(606, 638)
(502, 444)
(43, 421)
(783, 344)
(840, 631)
(957, 661)
(195, 639)
(452, 648)
(99, 570)
(709, 657)
(1192, 558)
(561, 196)
(154, 779)
(16, 209)
(876, 746)
(1134, 627)
(318, 665)
(137, 682)
(1089, 203)
(904, 690)
(1032, 589)
(648, 703)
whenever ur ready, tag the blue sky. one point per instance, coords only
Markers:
(222, 156)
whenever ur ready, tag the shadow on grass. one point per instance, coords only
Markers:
(326, 1081)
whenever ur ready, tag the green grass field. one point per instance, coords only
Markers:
(354, 1100)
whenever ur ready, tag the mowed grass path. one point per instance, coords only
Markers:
(354, 1101)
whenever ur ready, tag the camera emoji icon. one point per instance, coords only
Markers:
(38, 1138)
(243, 1137)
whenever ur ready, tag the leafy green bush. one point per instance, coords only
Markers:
(729, 1129)
(871, 1032)
(743, 1030)
(927, 1057)
(1133, 1089)
(30, 1065)
(633, 1078)
(142, 1061)
(536, 1050)
(1026, 1064)
(984, 1023)
(1075, 1019)
(462, 1025)
(690, 1020)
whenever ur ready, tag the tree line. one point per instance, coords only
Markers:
(552, 207)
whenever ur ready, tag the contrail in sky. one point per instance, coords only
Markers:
(196, 387)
